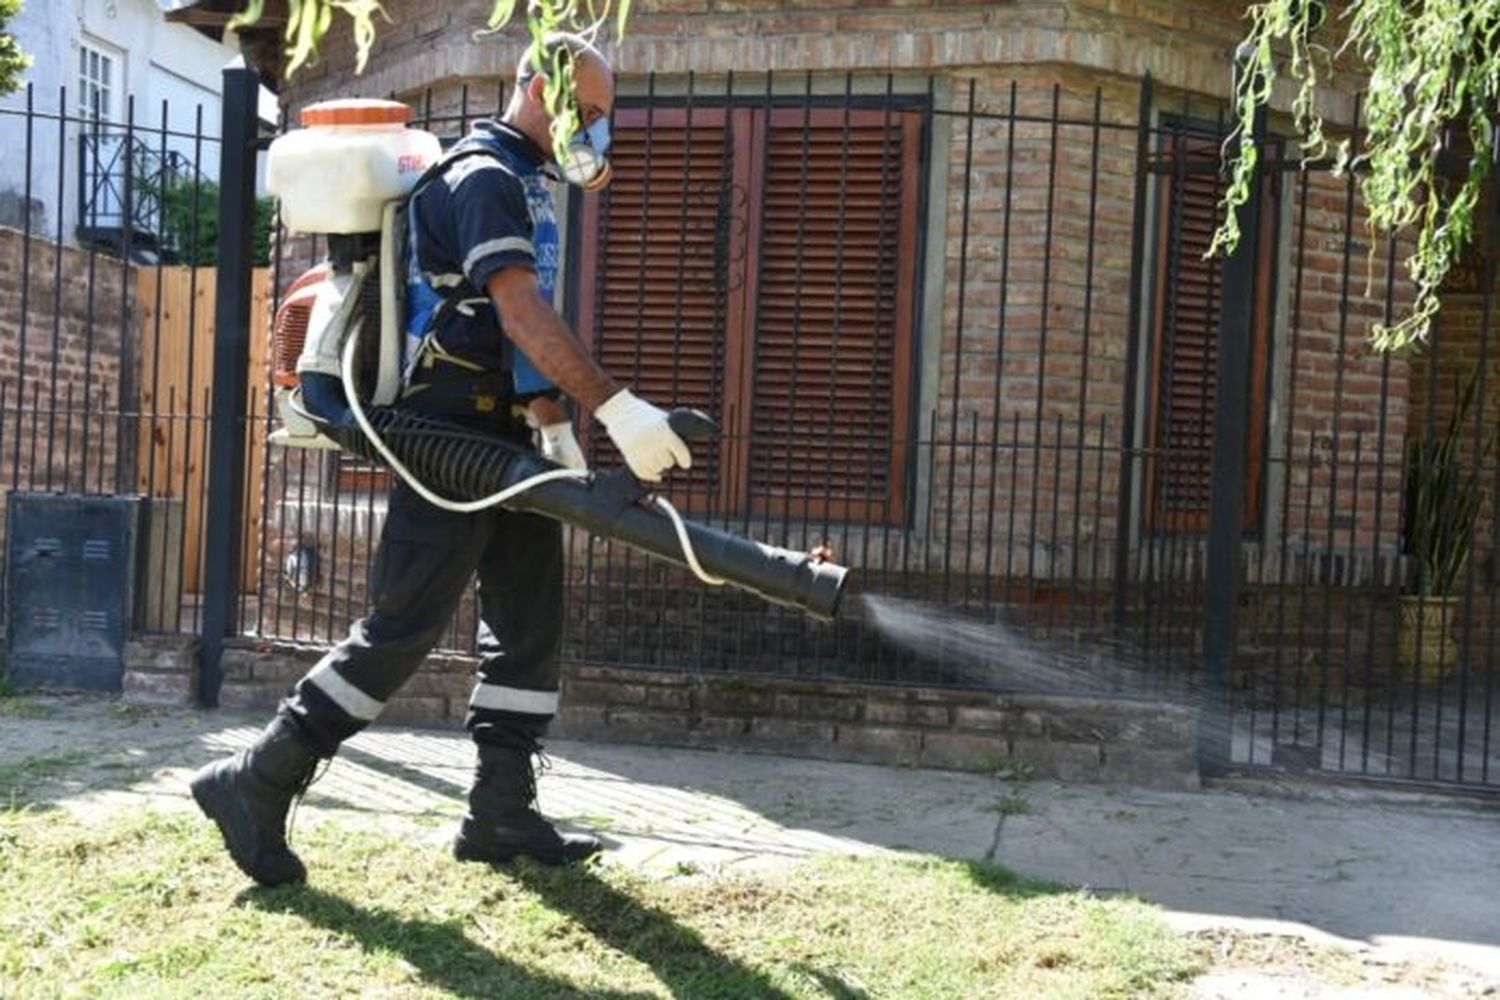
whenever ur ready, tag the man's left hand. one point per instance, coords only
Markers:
(559, 446)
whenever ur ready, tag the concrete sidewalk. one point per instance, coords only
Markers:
(1394, 877)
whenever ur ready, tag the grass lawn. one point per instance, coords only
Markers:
(145, 905)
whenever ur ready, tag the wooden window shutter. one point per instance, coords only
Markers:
(835, 284)
(656, 269)
(1188, 308)
(722, 273)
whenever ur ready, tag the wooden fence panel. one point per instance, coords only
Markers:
(177, 332)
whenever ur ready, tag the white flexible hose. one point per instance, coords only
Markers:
(458, 506)
(510, 492)
(687, 544)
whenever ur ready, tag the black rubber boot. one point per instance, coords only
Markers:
(248, 796)
(503, 823)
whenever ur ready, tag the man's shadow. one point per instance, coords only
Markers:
(443, 955)
(678, 955)
(446, 957)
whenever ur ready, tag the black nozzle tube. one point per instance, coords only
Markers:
(781, 576)
(462, 464)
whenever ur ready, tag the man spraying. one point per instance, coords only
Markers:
(486, 349)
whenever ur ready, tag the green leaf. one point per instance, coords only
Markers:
(1434, 72)
(1443, 495)
(13, 62)
(248, 17)
(501, 14)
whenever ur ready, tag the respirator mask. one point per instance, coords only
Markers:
(585, 162)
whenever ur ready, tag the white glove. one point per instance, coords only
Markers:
(558, 445)
(644, 437)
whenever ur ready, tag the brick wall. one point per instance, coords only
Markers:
(1033, 345)
(340, 528)
(1297, 641)
(1032, 339)
(1347, 404)
(62, 365)
(1460, 345)
(1185, 43)
(1072, 739)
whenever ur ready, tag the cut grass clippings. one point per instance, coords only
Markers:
(147, 904)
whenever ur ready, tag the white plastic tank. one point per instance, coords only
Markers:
(351, 157)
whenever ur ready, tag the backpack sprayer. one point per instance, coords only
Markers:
(346, 174)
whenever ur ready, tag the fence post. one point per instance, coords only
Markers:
(1227, 488)
(1125, 499)
(226, 457)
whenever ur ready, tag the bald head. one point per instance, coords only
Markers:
(593, 83)
(561, 45)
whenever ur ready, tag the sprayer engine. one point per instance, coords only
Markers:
(343, 177)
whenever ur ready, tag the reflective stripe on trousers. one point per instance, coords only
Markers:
(421, 570)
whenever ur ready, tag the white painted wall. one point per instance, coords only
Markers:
(157, 62)
(44, 29)
(162, 60)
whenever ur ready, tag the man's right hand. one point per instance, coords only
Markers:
(643, 435)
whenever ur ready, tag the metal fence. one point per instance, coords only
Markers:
(100, 391)
(965, 334)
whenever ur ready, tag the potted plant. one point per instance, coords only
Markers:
(1443, 495)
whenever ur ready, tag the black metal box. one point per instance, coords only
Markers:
(70, 589)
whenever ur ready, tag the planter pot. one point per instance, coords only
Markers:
(1426, 644)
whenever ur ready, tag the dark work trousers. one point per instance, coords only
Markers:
(426, 559)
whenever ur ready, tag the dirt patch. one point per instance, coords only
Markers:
(57, 750)
(1243, 964)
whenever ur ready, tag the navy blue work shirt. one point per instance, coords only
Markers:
(483, 214)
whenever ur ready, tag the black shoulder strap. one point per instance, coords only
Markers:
(462, 151)
(451, 296)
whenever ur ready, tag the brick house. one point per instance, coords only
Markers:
(938, 348)
(925, 219)
(938, 270)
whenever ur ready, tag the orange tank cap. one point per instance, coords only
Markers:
(356, 111)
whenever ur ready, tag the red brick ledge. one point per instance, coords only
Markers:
(1047, 736)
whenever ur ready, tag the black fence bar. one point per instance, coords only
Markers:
(226, 452)
(1000, 319)
(1482, 446)
(25, 296)
(57, 292)
(1089, 279)
(1226, 503)
(1383, 432)
(963, 273)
